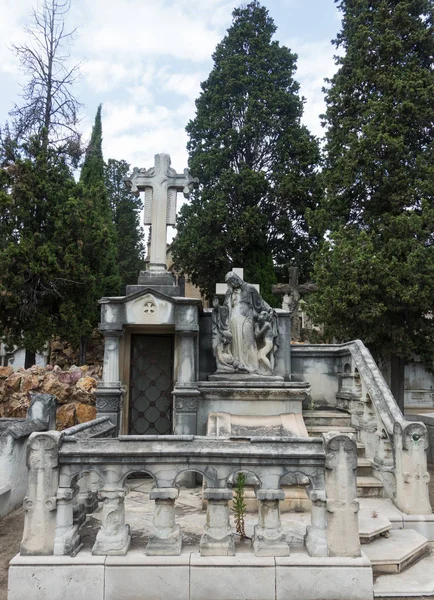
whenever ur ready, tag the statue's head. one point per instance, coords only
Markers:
(215, 302)
(233, 280)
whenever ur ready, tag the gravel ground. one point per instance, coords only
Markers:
(11, 528)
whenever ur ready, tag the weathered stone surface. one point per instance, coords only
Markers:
(86, 384)
(66, 416)
(85, 412)
(6, 371)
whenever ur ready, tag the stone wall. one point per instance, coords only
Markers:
(73, 389)
(65, 355)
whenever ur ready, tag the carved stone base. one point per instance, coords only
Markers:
(316, 541)
(112, 546)
(67, 543)
(244, 377)
(263, 546)
(212, 547)
(170, 546)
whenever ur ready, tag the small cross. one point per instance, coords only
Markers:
(222, 288)
(149, 308)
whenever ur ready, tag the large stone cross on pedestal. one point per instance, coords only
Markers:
(222, 288)
(160, 184)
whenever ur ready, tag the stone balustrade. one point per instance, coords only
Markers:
(65, 471)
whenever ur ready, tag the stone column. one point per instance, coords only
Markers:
(268, 537)
(40, 501)
(217, 539)
(114, 537)
(316, 533)
(186, 361)
(412, 477)
(110, 391)
(166, 539)
(67, 538)
(341, 491)
(87, 497)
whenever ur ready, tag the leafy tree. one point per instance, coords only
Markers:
(255, 162)
(375, 272)
(49, 109)
(126, 215)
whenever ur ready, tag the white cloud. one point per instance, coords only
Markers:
(145, 28)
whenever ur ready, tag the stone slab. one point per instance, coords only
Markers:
(190, 577)
(393, 554)
(417, 580)
(317, 578)
(232, 578)
(56, 577)
(147, 578)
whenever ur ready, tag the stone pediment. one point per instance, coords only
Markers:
(150, 307)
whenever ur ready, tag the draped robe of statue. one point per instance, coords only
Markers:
(245, 305)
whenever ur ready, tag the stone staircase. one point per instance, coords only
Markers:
(392, 552)
(321, 421)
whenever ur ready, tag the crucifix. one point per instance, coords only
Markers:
(222, 288)
(160, 184)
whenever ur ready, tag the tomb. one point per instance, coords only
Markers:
(208, 394)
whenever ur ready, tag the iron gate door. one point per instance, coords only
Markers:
(151, 385)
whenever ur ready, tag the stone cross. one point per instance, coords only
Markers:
(222, 288)
(160, 184)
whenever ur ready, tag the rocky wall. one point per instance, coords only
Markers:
(73, 388)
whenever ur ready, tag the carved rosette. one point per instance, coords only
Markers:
(186, 404)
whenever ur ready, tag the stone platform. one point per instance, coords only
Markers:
(192, 577)
(250, 397)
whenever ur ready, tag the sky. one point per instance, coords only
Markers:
(144, 61)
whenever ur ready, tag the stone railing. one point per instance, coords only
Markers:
(58, 463)
(397, 448)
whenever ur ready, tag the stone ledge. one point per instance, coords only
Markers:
(190, 577)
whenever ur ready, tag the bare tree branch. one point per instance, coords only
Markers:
(50, 108)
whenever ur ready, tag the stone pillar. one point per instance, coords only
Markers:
(268, 537)
(109, 392)
(114, 537)
(40, 501)
(87, 496)
(186, 358)
(282, 365)
(166, 539)
(217, 539)
(316, 533)
(67, 538)
(341, 491)
(412, 477)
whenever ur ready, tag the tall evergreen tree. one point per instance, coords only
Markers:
(376, 270)
(126, 215)
(35, 277)
(255, 162)
(96, 231)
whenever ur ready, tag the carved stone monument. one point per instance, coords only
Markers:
(160, 185)
(244, 331)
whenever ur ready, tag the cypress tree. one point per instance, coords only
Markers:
(375, 272)
(126, 216)
(255, 162)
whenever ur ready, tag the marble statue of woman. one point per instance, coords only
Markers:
(244, 306)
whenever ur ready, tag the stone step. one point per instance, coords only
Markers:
(397, 552)
(417, 581)
(369, 487)
(371, 528)
(315, 430)
(327, 417)
(364, 467)
(360, 450)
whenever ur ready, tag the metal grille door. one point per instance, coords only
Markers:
(151, 385)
